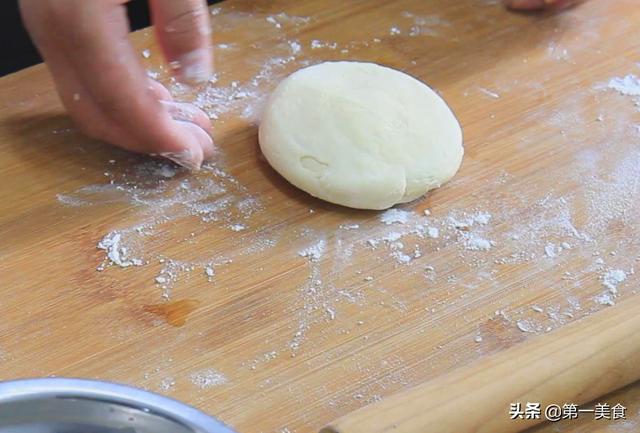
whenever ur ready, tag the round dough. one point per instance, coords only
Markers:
(360, 135)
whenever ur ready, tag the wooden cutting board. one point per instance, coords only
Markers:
(276, 312)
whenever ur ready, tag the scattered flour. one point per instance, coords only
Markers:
(395, 216)
(208, 378)
(628, 85)
(489, 93)
(161, 199)
(421, 25)
(526, 326)
(272, 20)
(606, 298)
(117, 253)
(481, 218)
(295, 47)
(401, 257)
(167, 384)
(350, 226)
(433, 232)
(613, 198)
(556, 52)
(318, 44)
(388, 238)
(551, 250)
(463, 220)
(476, 243)
(612, 278)
(315, 251)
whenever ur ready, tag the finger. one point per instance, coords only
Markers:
(189, 113)
(183, 29)
(161, 92)
(192, 158)
(73, 94)
(97, 35)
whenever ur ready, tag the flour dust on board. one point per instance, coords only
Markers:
(479, 253)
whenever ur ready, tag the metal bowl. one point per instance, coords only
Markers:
(87, 406)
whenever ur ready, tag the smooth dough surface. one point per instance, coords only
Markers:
(360, 135)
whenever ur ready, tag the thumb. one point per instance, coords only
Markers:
(183, 29)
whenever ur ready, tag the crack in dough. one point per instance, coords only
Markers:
(318, 168)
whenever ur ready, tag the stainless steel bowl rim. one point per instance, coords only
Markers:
(108, 391)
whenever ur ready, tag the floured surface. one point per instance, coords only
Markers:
(301, 311)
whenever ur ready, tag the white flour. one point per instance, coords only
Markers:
(526, 326)
(628, 85)
(489, 93)
(208, 378)
(167, 384)
(117, 253)
(551, 250)
(611, 279)
(433, 232)
(394, 216)
(476, 243)
(557, 52)
(315, 251)
(421, 25)
(606, 298)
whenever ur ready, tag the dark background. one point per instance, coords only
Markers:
(17, 51)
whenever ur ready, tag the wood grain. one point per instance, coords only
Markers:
(578, 363)
(552, 149)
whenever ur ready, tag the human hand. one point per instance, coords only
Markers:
(540, 4)
(103, 85)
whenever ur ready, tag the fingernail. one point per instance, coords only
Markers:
(192, 154)
(210, 151)
(184, 158)
(199, 146)
(195, 67)
(205, 141)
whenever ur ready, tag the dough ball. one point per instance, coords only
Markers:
(360, 135)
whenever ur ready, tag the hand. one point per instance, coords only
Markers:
(540, 4)
(105, 88)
